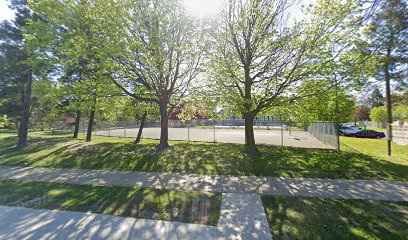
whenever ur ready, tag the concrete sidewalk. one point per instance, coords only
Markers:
(242, 217)
(25, 223)
(323, 188)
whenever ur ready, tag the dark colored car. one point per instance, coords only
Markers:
(366, 134)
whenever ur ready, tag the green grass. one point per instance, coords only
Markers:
(375, 147)
(203, 158)
(316, 218)
(203, 208)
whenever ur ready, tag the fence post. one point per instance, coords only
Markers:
(282, 133)
(337, 129)
(214, 133)
(188, 133)
(290, 128)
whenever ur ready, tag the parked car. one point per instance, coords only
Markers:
(348, 129)
(366, 134)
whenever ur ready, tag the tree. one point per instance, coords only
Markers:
(76, 43)
(362, 113)
(162, 54)
(44, 101)
(376, 99)
(399, 98)
(260, 58)
(18, 68)
(379, 115)
(12, 77)
(401, 114)
(387, 36)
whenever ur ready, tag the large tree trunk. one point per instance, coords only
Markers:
(25, 115)
(90, 126)
(249, 134)
(248, 115)
(77, 122)
(164, 126)
(142, 122)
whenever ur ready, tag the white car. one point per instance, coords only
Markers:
(348, 129)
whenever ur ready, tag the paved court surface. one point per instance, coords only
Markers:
(306, 187)
(273, 137)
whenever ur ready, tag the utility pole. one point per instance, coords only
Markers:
(388, 102)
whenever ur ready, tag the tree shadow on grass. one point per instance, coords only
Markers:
(314, 218)
(9, 154)
(201, 158)
(118, 201)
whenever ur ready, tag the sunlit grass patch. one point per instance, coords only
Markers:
(316, 218)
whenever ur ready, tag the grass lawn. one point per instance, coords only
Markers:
(316, 218)
(375, 147)
(203, 158)
(203, 208)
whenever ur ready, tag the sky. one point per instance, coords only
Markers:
(203, 7)
(5, 12)
(196, 7)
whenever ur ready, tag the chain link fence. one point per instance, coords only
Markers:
(315, 135)
(326, 132)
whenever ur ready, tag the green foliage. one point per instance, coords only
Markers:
(400, 114)
(13, 70)
(376, 99)
(260, 60)
(162, 52)
(72, 32)
(4, 121)
(129, 109)
(379, 114)
(386, 37)
(399, 98)
(45, 98)
(188, 112)
(326, 106)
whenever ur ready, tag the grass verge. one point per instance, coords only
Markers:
(201, 158)
(375, 147)
(316, 218)
(203, 208)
